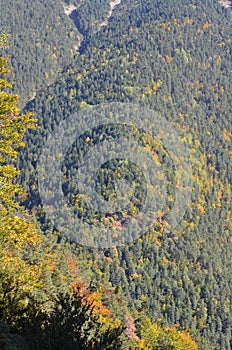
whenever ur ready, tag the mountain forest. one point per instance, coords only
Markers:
(70, 278)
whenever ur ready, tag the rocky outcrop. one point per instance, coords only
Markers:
(226, 4)
(113, 4)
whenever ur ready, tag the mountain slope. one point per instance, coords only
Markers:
(173, 57)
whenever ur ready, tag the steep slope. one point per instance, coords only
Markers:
(43, 42)
(173, 57)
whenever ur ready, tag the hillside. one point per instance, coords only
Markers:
(43, 42)
(174, 58)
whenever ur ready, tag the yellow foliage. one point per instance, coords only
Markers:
(152, 335)
(82, 104)
(13, 128)
(79, 76)
(20, 270)
(189, 20)
(206, 25)
(168, 59)
(226, 135)
(135, 57)
(202, 210)
(156, 85)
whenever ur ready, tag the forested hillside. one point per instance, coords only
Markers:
(173, 57)
(43, 42)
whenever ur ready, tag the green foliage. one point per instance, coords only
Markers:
(36, 273)
(155, 337)
(13, 127)
(50, 38)
(15, 234)
(173, 57)
(24, 253)
(73, 324)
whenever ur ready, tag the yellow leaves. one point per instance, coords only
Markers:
(13, 128)
(185, 55)
(219, 59)
(23, 275)
(4, 84)
(79, 76)
(201, 208)
(51, 261)
(175, 21)
(153, 335)
(165, 261)
(18, 233)
(188, 20)
(227, 135)
(168, 59)
(8, 171)
(192, 225)
(39, 45)
(3, 39)
(83, 104)
(148, 90)
(135, 275)
(194, 102)
(166, 25)
(133, 29)
(156, 84)
(142, 345)
(206, 25)
(153, 89)
(201, 324)
(3, 69)
(98, 308)
(156, 158)
(135, 57)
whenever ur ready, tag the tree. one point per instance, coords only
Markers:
(75, 324)
(24, 256)
(13, 128)
(155, 337)
(17, 275)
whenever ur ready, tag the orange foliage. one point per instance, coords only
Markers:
(206, 25)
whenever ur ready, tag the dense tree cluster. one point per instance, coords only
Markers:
(51, 42)
(173, 57)
(42, 292)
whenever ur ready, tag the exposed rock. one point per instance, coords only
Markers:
(113, 4)
(226, 4)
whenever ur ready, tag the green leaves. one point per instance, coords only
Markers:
(155, 337)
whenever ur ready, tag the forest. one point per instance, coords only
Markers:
(62, 287)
